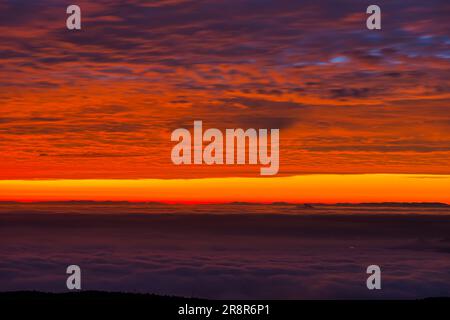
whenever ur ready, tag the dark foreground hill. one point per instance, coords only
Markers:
(151, 306)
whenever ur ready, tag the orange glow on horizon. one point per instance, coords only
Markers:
(330, 188)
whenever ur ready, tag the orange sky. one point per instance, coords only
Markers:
(102, 102)
(296, 189)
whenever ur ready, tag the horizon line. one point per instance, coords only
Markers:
(81, 201)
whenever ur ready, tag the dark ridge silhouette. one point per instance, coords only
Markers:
(76, 305)
(341, 204)
(127, 297)
(397, 204)
(282, 203)
(305, 206)
(10, 202)
(89, 295)
(239, 203)
(92, 295)
(82, 202)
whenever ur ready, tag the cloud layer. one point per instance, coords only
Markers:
(347, 99)
(306, 255)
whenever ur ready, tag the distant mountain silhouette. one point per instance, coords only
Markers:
(300, 205)
(305, 206)
(397, 204)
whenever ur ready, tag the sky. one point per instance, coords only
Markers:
(100, 104)
(330, 188)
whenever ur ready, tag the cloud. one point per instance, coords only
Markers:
(227, 256)
(311, 69)
(350, 93)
